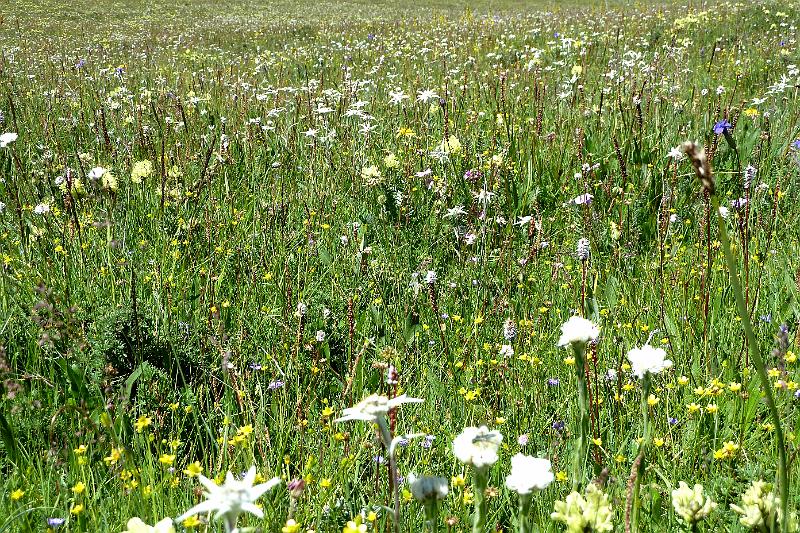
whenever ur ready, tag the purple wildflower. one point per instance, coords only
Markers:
(558, 425)
(553, 382)
(722, 126)
(296, 487)
(277, 384)
(739, 204)
(392, 375)
(522, 440)
(473, 175)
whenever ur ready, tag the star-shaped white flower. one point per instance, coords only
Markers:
(374, 406)
(233, 498)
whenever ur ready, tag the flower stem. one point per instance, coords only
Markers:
(642, 450)
(432, 515)
(524, 522)
(758, 361)
(479, 482)
(386, 437)
(583, 416)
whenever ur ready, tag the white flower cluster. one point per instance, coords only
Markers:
(529, 474)
(648, 360)
(578, 331)
(760, 506)
(477, 447)
(581, 513)
(692, 504)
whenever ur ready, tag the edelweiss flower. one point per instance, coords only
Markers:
(648, 359)
(233, 498)
(529, 474)
(578, 330)
(455, 212)
(477, 446)
(676, 153)
(374, 406)
(426, 95)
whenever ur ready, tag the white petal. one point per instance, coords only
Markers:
(253, 509)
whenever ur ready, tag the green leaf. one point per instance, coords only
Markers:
(9, 441)
(132, 380)
(410, 327)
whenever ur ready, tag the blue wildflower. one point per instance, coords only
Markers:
(722, 126)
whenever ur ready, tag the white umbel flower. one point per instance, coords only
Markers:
(692, 504)
(578, 331)
(430, 277)
(529, 474)
(7, 138)
(374, 406)
(477, 446)
(233, 498)
(648, 360)
(96, 173)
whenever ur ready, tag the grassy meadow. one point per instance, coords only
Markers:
(223, 225)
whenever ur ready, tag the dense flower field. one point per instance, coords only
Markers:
(391, 266)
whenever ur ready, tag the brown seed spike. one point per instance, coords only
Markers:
(700, 163)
